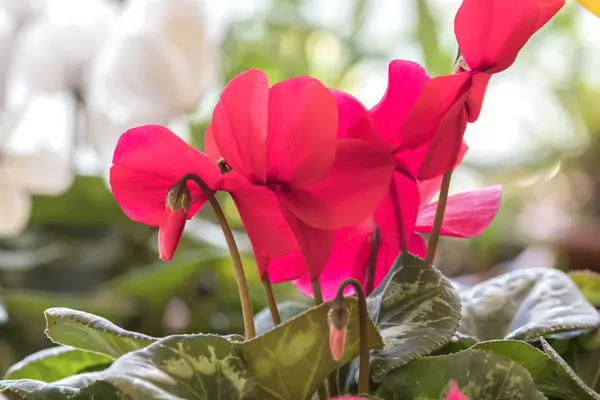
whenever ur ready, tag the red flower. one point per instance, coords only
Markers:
(149, 161)
(290, 173)
(490, 34)
(454, 393)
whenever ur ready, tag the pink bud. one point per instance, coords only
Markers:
(349, 398)
(337, 340)
(169, 232)
(454, 393)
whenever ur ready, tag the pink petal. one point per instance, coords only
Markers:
(210, 146)
(417, 245)
(491, 33)
(476, 95)
(467, 214)
(406, 80)
(548, 8)
(445, 148)
(315, 244)
(454, 393)
(439, 96)
(302, 131)
(261, 215)
(354, 121)
(169, 233)
(337, 341)
(147, 162)
(397, 212)
(350, 191)
(239, 123)
(348, 259)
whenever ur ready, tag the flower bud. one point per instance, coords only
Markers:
(454, 393)
(179, 197)
(338, 317)
(177, 206)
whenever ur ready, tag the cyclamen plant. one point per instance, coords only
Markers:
(335, 198)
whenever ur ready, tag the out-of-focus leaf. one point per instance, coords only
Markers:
(183, 367)
(76, 388)
(566, 373)
(55, 363)
(589, 284)
(287, 310)
(87, 203)
(436, 60)
(92, 333)
(416, 310)
(292, 360)
(479, 374)
(549, 375)
(526, 303)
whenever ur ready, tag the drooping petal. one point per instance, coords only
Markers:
(169, 232)
(302, 131)
(354, 121)
(406, 80)
(438, 97)
(549, 8)
(315, 244)
(397, 212)
(210, 146)
(350, 191)
(467, 214)
(417, 245)
(261, 215)
(348, 259)
(476, 95)
(147, 161)
(491, 33)
(239, 123)
(445, 148)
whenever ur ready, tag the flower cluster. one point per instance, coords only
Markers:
(324, 186)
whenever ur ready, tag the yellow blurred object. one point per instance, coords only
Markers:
(591, 5)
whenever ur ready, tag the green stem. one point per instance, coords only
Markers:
(238, 267)
(317, 294)
(439, 218)
(271, 300)
(363, 333)
(372, 262)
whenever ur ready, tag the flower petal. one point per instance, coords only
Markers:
(549, 8)
(438, 97)
(491, 33)
(476, 95)
(351, 190)
(354, 121)
(261, 215)
(315, 244)
(302, 130)
(348, 259)
(406, 80)
(397, 212)
(417, 245)
(147, 162)
(210, 146)
(591, 5)
(467, 214)
(169, 233)
(445, 148)
(239, 123)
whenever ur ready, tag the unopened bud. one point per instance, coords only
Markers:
(179, 197)
(454, 393)
(338, 317)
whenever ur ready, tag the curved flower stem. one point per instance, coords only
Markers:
(240, 276)
(439, 218)
(363, 333)
(372, 262)
(271, 299)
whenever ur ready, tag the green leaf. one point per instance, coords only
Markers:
(416, 310)
(526, 303)
(287, 310)
(290, 361)
(549, 376)
(205, 367)
(55, 363)
(479, 374)
(589, 284)
(92, 333)
(78, 387)
(577, 389)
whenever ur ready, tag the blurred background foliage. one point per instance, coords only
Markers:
(80, 251)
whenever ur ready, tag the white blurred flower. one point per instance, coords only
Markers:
(34, 157)
(153, 68)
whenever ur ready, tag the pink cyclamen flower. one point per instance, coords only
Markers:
(292, 179)
(454, 393)
(337, 341)
(148, 165)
